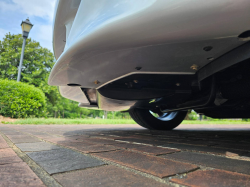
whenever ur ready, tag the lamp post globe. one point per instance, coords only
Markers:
(26, 27)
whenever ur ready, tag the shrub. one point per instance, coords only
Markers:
(193, 115)
(20, 100)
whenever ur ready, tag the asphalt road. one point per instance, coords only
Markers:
(124, 155)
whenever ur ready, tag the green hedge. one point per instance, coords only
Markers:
(20, 100)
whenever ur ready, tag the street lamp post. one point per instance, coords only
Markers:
(26, 27)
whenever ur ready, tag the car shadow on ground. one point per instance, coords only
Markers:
(221, 142)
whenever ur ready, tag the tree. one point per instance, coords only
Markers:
(37, 64)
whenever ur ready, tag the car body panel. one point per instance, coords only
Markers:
(73, 93)
(108, 39)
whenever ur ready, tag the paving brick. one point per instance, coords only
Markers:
(22, 139)
(148, 164)
(75, 144)
(84, 134)
(105, 176)
(84, 140)
(121, 133)
(214, 178)
(18, 174)
(12, 133)
(68, 132)
(218, 162)
(8, 156)
(92, 148)
(247, 154)
(38, 146)
(132, 137)
(104, 137)
(78, 137)
(55, 139)
(14, 136)
(61, 160)
(100, 141)
(169, 136)
(245, 157)
(3, 128)
(46, 136)
(3, 143)
(187, 141)
(147, 149)
(140, 141)
(198, 142)
(238, 146)
(37, 133)
(205, 149)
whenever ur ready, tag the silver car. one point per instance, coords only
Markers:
(155, 59)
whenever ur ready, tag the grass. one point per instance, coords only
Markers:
(52, 121)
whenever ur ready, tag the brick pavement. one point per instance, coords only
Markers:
(124, 155)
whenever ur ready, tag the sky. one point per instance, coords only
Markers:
(39, 12)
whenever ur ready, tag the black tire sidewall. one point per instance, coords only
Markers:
(146, 119)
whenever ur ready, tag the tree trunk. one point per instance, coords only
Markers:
(200, 117)
(187, 117)
(105, 114)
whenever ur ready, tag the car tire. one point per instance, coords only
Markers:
(145, 119)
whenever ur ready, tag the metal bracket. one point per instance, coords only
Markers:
(193, 104)
(235, 56)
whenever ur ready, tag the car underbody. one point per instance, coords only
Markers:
(137, 57)
(224, 94)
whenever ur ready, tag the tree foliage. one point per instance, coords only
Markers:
(37, 63)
